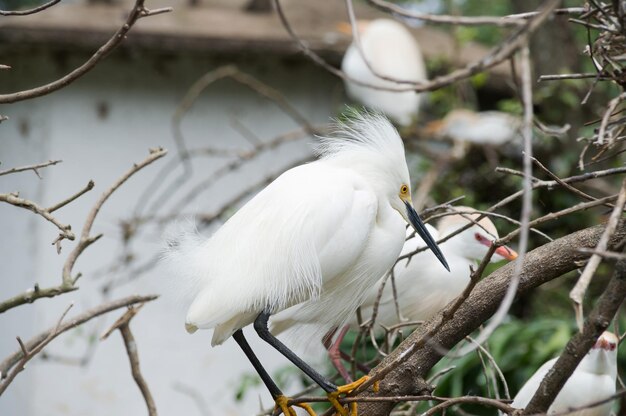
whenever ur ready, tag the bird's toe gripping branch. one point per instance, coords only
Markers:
(282, 403)
(333, 397)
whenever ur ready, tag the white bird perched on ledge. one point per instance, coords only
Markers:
(592, 381)
(391, 51)
(321, 233)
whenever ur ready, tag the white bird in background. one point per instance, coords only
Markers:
(485, 127)
(592, 381)
(392, 52)
(321, 233)
(421, 287)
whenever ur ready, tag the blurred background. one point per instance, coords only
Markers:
(253, 114)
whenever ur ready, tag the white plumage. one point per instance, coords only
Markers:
(592, 381)
(485, 127)
(321, 233)
(392, 51)
(422, 288)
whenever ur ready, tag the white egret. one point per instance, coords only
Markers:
(392, 52)
(484, 127)
(592, 381)
(422, 288)
(321, 233)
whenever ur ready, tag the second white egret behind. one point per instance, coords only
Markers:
(391, 51)
(592, 381)
(321, 233)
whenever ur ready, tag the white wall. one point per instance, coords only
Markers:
(140, 92)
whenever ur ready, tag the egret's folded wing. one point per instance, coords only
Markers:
(274, 251)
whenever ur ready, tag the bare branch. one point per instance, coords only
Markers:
(123, 324)
(7, 366)
(510, 20)
(527, 134)
(34, 168)
(29, 11)
(14, 199)
(29, 353)
(495, 56)
(33, 294)
(138, 11)
(68, 282)
(85, 240)
(578, 292)
(66, 201)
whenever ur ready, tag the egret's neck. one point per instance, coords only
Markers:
(600, 361)
(370, 169)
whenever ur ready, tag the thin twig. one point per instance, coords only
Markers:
(509, 20)
(66, 201)
(14, 199)
(29, 11)
(34, 168)
(28, 353)
(605, 118)
(8, 364)
(578, 292)
(123, 325)
(138, 11)
(496, 55)
(85, 240)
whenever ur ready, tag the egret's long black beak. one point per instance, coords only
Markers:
(421, 230)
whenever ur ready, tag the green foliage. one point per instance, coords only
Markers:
(20, 4)
(246, 381)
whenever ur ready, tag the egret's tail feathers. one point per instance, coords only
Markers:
(181, 257)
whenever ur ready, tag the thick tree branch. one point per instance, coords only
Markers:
(540, 266)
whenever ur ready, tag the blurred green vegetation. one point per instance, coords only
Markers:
(20, 4)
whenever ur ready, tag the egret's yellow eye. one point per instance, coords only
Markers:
(404, 190)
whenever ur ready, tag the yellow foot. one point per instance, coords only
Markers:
(287, 410)
(345, 389)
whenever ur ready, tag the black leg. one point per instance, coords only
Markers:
(260, 325)
(267, 380)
